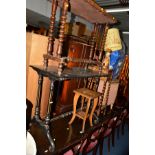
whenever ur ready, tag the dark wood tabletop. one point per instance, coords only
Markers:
(68, 73)
(65, 136)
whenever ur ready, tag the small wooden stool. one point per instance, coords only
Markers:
(89, 95)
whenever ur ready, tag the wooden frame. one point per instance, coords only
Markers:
(76, 7)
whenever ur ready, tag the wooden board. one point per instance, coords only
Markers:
(36, 46)
(90, 11)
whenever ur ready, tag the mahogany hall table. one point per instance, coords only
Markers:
(64, 136)
(45, 129)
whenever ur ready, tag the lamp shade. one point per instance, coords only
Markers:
(113, 40)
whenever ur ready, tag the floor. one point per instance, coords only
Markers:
(121, 144)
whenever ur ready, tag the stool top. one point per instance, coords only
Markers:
(90, 94)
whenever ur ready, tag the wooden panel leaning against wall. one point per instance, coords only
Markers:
(36, 46)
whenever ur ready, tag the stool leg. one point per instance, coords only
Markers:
(86, 114)
(92, 111)
(82, 102)
(83, 126)
(76, 96)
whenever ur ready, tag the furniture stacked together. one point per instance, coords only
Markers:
(68, 138)
(88, 69)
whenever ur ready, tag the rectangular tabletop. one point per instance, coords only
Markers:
(68, 73)
(64, 136)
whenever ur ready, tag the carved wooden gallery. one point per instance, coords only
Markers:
(77, 82)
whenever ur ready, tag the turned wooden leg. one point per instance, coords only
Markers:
(76, 97)
(109, 143)
(86, 114)
(62, 26)
(50, 102)
(105, 110)
(51, 28)
(92, 111)
(82, 102)
(83, 126)
(38, 98)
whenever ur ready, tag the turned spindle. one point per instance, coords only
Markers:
(103, 42)
(50, 102)
(102, 96)
(98, 35)
(38, 98)
(62, 27)
(51, 29)
(93, 41)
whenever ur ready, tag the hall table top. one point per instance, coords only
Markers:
(65, 136)
(68, 73)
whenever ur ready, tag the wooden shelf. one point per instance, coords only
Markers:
(81, 114)
(68, 73)
(90, 11)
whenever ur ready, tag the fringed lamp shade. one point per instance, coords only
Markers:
(113, 40)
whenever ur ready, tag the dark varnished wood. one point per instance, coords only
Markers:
(50, 103)
(77, 8)
(38, 98)
(54, 136)
(51, 29)
(75, 49)
(52, 74)
(93, 37)
(64, 136)
(51, 32)
(62, 27)
(68, 73)
(103, 42)
(92, 12)
(97, 41)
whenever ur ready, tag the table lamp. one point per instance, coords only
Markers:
(113, 40)
(112, 43)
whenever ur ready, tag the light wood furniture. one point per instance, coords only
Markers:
(89, 95)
